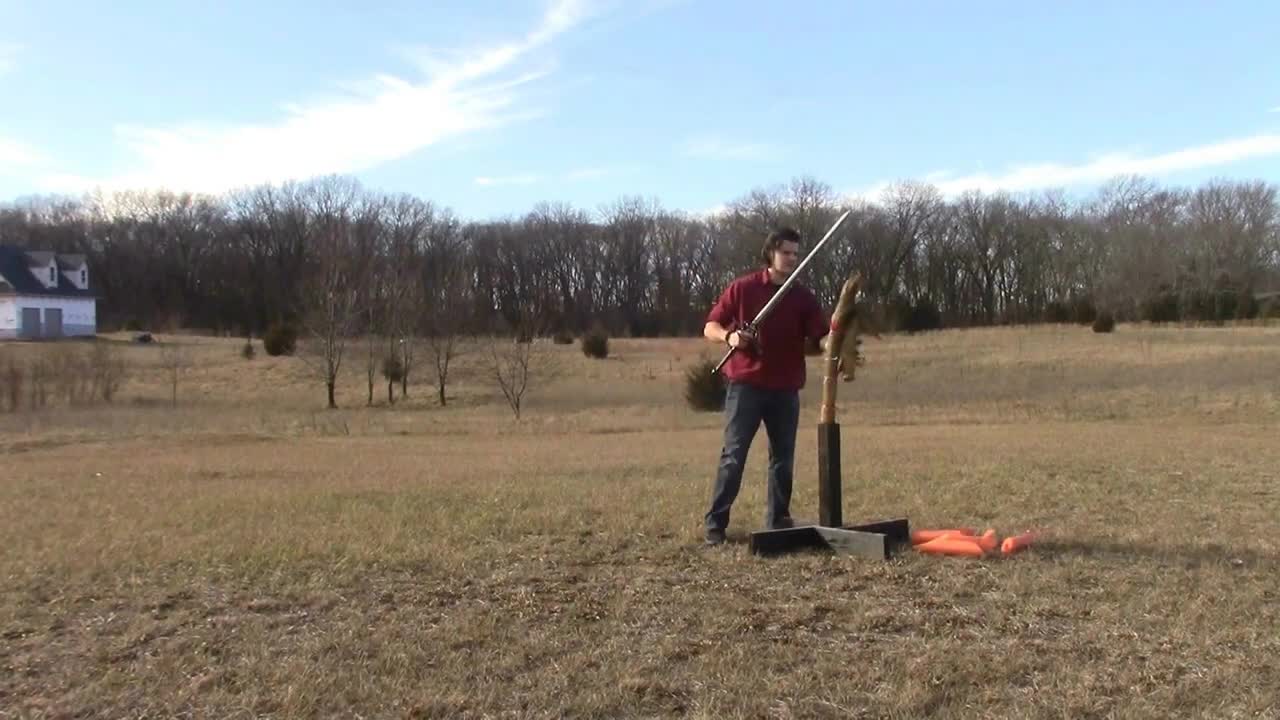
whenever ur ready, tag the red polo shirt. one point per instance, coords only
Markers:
(778, 363)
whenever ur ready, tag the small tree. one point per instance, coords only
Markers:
(393, 371)
(516, 364)
(173, 358)
(445, 307)
(332, 296)
(108, 371)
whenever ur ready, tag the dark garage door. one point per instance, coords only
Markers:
(53, 322)
(30, 327)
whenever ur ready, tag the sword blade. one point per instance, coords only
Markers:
(786, 285)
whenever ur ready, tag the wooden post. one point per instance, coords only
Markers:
(829, 501)
(830, 510)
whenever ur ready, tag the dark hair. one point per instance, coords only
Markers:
(775, 240)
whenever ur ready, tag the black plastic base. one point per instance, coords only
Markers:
(874, 541)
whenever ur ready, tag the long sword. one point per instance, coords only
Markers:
(786, 285)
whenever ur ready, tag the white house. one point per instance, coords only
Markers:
(45, 295)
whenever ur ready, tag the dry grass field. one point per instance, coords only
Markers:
(249, 554)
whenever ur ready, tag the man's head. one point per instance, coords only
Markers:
(781, 251)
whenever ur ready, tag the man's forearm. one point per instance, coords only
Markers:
(715, 331)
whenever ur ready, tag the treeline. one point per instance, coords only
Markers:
(402, 265)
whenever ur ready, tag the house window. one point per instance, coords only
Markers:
(53, 275)
(84, 277)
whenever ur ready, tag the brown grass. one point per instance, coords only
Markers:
(249, 554)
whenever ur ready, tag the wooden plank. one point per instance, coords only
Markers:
(872, 546)
(770, 542)
(830, 505)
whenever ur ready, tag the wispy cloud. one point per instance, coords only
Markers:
(1275, 109)
(1100, 169)
(575, 175)
(391, 117)
(718, 148)
(525, 179)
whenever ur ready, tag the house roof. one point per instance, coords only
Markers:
(17, 279)
(39, 258)
(70, 262)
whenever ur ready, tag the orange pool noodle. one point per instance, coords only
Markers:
(951, 546)
(923, 536)
(1017, 542)
(988, 541)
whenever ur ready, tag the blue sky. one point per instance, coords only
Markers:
(490, 107)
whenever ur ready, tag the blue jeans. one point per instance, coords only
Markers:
(745, 408)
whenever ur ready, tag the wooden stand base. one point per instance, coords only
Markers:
(875, 541)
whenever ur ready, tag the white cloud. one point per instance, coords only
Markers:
(711, 212)
(718, 148)
(1275, 109)
(1099, 169)
(14, 154)
(389, 118)
(526, 179)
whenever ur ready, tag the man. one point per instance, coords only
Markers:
(765, 376)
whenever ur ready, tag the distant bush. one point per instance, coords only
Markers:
(1161, 308)
(1083, 311)
(108, 371)
(563, 337)
(914, 317)
(70, 374)
(13, 378)
(595, 343)
(393, 368)
(1247, 306)
(280, 339)
(1105, 322)
(703, 390)
(924, 316)
(1057, 312)
(247, 352)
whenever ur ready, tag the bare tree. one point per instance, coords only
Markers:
(174, 360)
(516, 363)
(442, 289)
(335, 288)
(445, 323)
(109, 371)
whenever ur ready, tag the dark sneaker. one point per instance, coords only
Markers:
(715, 536)
(783, 523)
